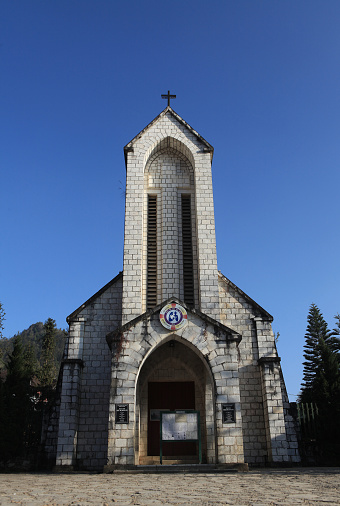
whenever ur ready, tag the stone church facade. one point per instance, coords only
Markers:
(122, 366)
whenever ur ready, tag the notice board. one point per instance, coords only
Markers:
(180, 426)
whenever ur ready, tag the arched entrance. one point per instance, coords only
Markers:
(172, 378)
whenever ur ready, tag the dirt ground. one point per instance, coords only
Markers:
(307, 486)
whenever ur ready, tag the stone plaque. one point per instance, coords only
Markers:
(228, 413)
(122, 413)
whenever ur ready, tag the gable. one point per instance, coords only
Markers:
(181, 124)
(205, 321)
(95, 297)
(256, 308)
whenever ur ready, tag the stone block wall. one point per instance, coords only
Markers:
(238, 314)
(291, 429)
(168, 175)
(132, 345)
(84, 403)
(183, 139)
(268, 430)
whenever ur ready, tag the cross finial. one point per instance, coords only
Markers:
(168, 96)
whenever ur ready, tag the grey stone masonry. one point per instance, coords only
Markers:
(69, 407)
(215, 344)
(121, 356)
(277, 445)
(268, 431)
(168, 175)
(85, 393)
(168, 129)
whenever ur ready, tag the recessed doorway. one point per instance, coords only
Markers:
(173, 377)
(169, 396)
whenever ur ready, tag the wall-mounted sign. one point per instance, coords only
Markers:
(122, 413)
(173, 316)
(228, 413)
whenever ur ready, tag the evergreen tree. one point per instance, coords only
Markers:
(16, 404)
(336, 336)
(48, 372)
(33, 336)
(2, 318)
(321, 383)
(30, 359)
(34, 354)
(316, 332)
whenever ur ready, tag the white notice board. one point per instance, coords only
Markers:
(179, 426)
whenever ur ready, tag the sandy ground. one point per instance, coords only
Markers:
(265, 487)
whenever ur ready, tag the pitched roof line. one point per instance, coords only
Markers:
(168, 109)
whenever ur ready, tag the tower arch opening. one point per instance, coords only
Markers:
(169, 143)
(170, 260)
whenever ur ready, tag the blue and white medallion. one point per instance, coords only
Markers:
(173, 316)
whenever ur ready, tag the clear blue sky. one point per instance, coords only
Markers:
(259, 80)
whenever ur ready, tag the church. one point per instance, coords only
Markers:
(170, 362)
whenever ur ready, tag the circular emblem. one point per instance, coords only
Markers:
(173, 316)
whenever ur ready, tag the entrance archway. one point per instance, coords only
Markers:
(173, 378)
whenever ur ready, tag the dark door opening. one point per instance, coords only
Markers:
(169, 396)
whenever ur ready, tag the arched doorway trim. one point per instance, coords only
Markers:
(189, 365)
(175, 337)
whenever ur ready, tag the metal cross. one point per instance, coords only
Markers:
(168, 96)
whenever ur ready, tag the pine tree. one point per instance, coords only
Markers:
(48, 370)
(17, 374)
(316, 332)
(336, 336)
(321, 383)
(2, 318)
(30, 359)
(16, 403)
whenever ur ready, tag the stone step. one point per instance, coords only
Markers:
(168, 460)
(181, 468)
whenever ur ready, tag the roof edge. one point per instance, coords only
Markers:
(129, 146)
(91, 299)
(260, 309)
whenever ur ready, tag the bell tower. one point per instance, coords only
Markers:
(169, 244)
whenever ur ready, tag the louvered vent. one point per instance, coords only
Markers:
(188, 269)
(151, 297)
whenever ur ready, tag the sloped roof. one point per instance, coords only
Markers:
(208, 147)
(258, 309)
(232, 334)
(94, 297)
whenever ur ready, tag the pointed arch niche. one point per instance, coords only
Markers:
(175, 376)
(170, 262)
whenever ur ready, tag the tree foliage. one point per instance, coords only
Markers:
(2, 319)
(336, 335)
(48, 372)
(16, 403)
(32, 339)
(31, 363)
(321, 380)
(317, 333)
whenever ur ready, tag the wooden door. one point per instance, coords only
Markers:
(169, 396)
